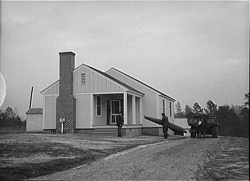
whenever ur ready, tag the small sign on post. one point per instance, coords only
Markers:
(61, 121)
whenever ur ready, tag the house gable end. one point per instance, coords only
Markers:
(88, 80)
(114, 70)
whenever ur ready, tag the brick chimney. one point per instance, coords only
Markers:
(66, 101)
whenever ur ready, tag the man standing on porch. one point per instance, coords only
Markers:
(119, 123)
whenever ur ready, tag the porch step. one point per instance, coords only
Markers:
(106, 131)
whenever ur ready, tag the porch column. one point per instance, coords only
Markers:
(125, 108)
(133, 110)
(91, 121)
(141, 113)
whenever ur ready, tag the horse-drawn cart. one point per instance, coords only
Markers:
(202, 124)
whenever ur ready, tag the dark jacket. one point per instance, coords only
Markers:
(165, 121)
(119, 121)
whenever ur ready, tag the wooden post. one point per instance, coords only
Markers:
(125, 108)
(31, 97)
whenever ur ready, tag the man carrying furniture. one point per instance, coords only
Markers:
(165, 123)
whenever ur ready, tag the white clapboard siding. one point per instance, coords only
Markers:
(94, 82)
(83, 111)
(53, 89)
(50, 112)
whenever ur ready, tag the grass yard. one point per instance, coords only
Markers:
(24, 156)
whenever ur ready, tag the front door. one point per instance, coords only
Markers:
(115, 109)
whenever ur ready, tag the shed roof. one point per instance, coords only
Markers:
(35, 111)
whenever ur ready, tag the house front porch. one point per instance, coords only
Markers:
(106, 108)
(111, 130)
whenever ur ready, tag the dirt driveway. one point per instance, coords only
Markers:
(186, 159)
(25, 156)
(93, 157)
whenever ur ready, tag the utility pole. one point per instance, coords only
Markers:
(31, 94)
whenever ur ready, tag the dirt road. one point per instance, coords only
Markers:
(184, 159)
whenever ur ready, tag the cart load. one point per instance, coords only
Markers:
(202, 124)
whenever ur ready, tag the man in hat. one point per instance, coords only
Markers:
(119, 123)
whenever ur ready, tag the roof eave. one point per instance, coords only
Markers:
(167, 97)
(42, 92)
(163, 95)
(136, 93)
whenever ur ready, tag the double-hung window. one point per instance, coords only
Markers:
(163, 106)
(83, 78)
(170, 109)
(98, 106)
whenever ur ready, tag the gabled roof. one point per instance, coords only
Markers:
(35, 111)
(112, 78)
(49, 86)
(105, 75)
(143, 84)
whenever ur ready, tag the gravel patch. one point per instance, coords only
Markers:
(227, 160)
(169, 160)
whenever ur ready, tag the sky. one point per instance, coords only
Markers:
(193, 51)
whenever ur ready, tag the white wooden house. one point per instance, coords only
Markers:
(89, 100)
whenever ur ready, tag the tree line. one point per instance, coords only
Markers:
(233, 120)
(9, 118)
